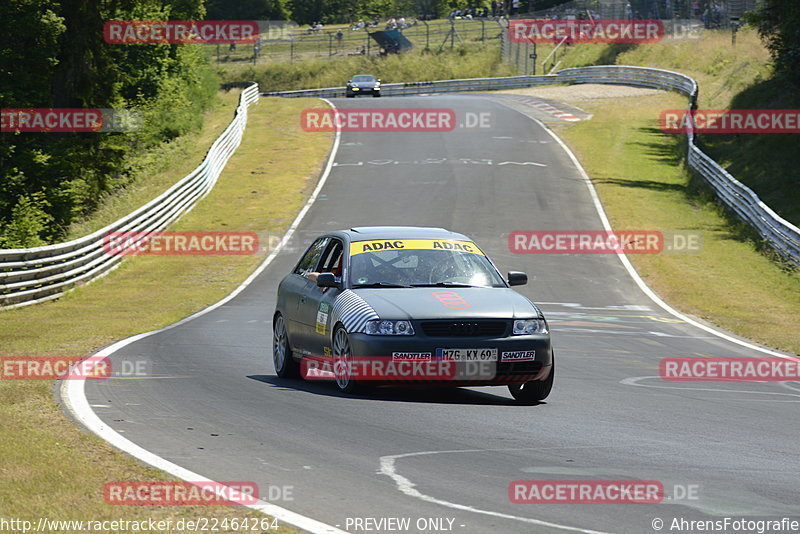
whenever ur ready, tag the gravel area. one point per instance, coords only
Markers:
(582, 92)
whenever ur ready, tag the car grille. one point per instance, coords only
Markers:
(464, 328)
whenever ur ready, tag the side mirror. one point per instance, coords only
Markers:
(327, 280)
(515, 278)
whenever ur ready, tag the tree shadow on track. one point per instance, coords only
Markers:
(429, 395)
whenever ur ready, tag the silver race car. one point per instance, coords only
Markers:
(391, 305)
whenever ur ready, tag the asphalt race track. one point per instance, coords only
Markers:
(215, 406)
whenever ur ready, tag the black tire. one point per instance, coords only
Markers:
(376, 95)
(533, 392)
(282, 356)
(341, 355)
(350, 96)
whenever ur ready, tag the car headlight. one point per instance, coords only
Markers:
(355, 88)
(379, 327)
(530, 326)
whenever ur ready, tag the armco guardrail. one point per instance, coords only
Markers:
(782, 236)
(439, 86)
(32, 275)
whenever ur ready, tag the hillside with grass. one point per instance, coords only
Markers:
(469, 61)
(739, 76)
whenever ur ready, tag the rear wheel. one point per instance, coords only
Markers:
(285, 366)
(534, 391)
(342, 361)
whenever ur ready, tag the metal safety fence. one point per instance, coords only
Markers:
(32, 275)
(38, 274)
(781, 235)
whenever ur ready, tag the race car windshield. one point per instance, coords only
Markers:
(363, 78)
(404, 268)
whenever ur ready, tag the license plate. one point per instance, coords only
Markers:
(467, 355)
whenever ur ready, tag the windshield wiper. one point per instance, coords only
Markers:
(380, 284)
(445, 284)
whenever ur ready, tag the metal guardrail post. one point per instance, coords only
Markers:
(34, 275)
(29, 276)
(782, 235)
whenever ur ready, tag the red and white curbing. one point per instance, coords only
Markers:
(554, 111)
(547, 108)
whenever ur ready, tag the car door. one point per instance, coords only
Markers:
(293, 289)
(315, 309)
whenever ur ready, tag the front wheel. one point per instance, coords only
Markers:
(535, 391)
(342, 361)
(376, 95)
(285, 366)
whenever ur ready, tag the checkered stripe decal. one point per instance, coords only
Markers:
(352, 311)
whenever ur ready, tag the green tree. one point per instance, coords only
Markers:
(52, 54)
(247, 10)
(28, 220)
(778, 23)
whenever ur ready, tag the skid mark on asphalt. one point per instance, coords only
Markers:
(407, 487)
(437, 161)
(635, 381)
(614, 333)
(575, 305)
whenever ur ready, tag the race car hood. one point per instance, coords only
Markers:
(363, 85)
(448, 303)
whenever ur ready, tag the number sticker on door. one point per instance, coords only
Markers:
(322, 317)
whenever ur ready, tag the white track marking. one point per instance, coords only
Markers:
(629, 267)
(407, 487)
(74, 395)
(789, 385)
(634, 381)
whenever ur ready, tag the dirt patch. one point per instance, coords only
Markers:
(582, 92)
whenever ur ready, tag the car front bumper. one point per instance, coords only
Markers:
(502, 371)
(363, 90)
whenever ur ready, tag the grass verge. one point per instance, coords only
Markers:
(640, 178)
(730, 77)
(50, 467)
(471, 60)
(160, 168)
